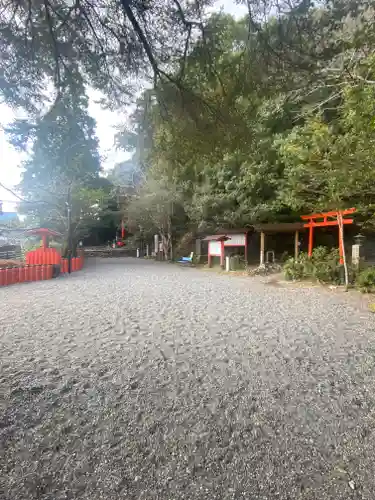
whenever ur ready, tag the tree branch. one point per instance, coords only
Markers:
(54, 41)
(11, 192)
(186, 22)
(142, 38)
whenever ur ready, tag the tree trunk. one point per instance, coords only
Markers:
(170, 247)
(342, 243)
(165, 244)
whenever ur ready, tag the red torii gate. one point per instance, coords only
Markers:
(314, 221)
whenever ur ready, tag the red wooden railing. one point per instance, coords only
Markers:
(38, 271)
(76, 264)
(43, 256)
(12, 275)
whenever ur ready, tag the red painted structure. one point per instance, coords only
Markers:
(50, 256)
(36, 272)
(45, 234)
(329, 219)
(216, 247)
(43, 255)
(12, 275)
(226, 238)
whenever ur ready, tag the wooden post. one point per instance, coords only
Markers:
(198, 249)
(262, 246)
(296, 246)
(342, 248)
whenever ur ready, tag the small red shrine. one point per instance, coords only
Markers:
(43, 255)
(45, 234)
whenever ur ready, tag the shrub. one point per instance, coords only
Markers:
(326, 265)
(323, 266)
(293, 269)
(366, 280)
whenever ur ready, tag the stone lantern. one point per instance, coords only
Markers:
(359, 239)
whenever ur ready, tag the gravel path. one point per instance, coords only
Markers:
(137, 380)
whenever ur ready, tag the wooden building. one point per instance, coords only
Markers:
(263, 240)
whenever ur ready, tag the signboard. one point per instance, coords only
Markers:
(236, 240)
(214, 248)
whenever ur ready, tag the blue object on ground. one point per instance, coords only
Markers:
(186, 260)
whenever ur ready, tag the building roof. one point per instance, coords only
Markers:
(236, 230)
(279, 227)
(216, 237)
(272, 227)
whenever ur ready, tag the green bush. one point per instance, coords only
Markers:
(366, 280)
(293, 269)
(326, 265)
(323, 266)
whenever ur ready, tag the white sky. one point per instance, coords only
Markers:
(10, 160)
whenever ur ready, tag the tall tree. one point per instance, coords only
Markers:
(62, 171)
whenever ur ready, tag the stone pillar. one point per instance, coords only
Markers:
(358, 254)
(296, 245)
(227, 264)
(157, 244)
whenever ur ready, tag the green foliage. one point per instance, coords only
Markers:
(329, 164)
(366, 280)
(295, 269)
(253, 142)
(46, 45)
(326, 267)
(323, 266)
(157, 208)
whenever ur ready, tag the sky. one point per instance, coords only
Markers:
(106, 121)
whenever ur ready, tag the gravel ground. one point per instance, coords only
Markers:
(139, 380)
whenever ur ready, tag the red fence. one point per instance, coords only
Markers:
(11, 275)
(43, 256)
(38, 272)
(75, 265)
